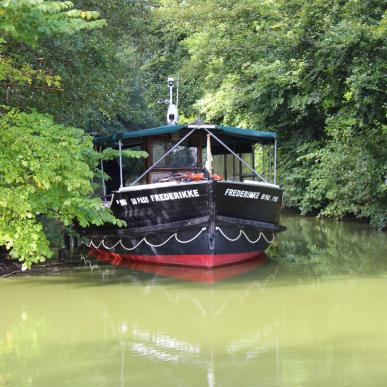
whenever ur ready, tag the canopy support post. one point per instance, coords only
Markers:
(121, 173)
(263, 160)
(253, 157)
(233, 167)
(225, 166)
(103, 180)
(275, 161)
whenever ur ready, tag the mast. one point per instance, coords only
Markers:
(172, 115)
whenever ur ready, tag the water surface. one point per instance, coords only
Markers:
(316, 316)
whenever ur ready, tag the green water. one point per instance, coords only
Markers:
(286, 323)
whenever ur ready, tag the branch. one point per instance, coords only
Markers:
(13, 84)
(8, 274)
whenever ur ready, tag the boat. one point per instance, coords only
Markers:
(197, 199)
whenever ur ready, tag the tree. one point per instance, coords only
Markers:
(98, 69)
(23, 24)
(310, 70)
(46, 168)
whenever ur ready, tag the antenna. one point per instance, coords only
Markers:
(172, 115)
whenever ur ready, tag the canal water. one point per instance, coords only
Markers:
(313, 314)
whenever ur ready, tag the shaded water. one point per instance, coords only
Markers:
(317, 316)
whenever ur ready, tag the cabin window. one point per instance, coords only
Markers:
(218, 164)
(246, 172)
(159, 149)
(181, 157)
(184, 157)
(231, 168)
(132, 167)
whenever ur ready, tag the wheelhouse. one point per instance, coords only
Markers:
(177, 150)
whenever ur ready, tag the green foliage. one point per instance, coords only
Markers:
(311, 70)
(110, 153)
(328, 247)
(45, 170)
(23, 24)
(100, 78)
(27, 21)
(314, 71)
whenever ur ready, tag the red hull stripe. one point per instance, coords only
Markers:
(195, 260)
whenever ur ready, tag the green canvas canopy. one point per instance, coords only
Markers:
(248, 135)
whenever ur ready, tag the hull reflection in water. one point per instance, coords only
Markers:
(173, 332)
(195, 274)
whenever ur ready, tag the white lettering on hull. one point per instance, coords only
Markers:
(187, 194)
(237, 193)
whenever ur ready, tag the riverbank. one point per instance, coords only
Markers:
(320, 237)
(10, 268)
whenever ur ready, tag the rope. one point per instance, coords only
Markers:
(91, 244)
(241, 232)
(106, 247)
(144, 240)
(192, 239)
(272, 239)
(228, 238)
(150, 244)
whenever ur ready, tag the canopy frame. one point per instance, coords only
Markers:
(251, 136)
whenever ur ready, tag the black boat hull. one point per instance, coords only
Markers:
(205, 224)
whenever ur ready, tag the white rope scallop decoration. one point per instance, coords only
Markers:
(133, 247)
(253, 242)
(91, 244)
(228, 238)
(272, 239)
(107, 247)
(241, 232)
(192, 239)
(148, 243)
